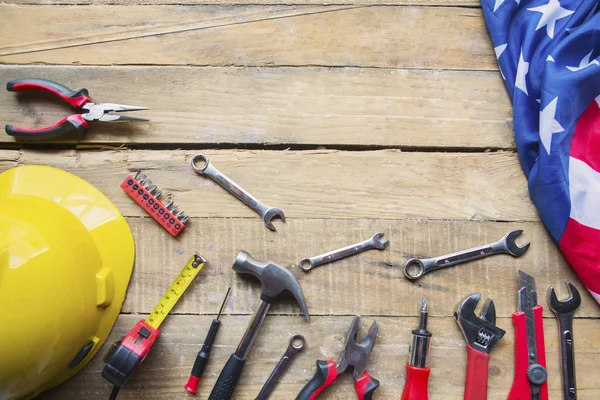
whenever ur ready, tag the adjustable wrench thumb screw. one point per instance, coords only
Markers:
(416, 268)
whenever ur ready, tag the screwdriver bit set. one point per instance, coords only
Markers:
(144, 192)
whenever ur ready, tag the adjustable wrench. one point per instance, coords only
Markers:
(202, 166)
(296, 344)
(564, 310)
(373, 243)
(416, 268)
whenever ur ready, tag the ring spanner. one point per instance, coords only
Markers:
(416, 268)
(202, 166)
(372, 243)
(281, 366)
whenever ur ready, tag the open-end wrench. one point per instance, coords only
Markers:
(373, 243)
(296, 344)
(202, 166)
(416, 268)
(564, 310)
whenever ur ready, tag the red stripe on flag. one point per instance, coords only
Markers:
(581, 246)
(586, 138)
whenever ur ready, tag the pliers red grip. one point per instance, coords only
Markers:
(354, 355)
(78, 99)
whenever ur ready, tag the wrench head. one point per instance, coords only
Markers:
(378, 243)
(272, 213)
(567, 306)
(512, 247)
(481, 332)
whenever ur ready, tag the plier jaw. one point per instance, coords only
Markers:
(76, 123)
(355, 355)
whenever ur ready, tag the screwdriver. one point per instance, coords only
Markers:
(202, 356)
(417, 368)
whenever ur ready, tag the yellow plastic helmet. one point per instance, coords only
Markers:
(66, 256)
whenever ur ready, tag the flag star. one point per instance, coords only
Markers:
(551, 13)
(499, 50)
(585, 62)
(522, 70)
(497, 4)
(549, 125)
(550, 58)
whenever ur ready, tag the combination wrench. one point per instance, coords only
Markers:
(296, 344)
(564, 311)
(373, 243)
(202, 166)
(416, 268)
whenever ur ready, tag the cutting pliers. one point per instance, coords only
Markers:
(355, 355)
(79, 99)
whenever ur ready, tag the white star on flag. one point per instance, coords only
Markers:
(498, 3)
(548, 125)
(499, 50)
(585, 63)
(522, 70)
(551, 13)
(550, 58)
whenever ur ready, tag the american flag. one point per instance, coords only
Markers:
(549, 56)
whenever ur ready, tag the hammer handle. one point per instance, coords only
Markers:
(228, 379)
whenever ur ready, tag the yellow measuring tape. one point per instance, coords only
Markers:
(174, 293)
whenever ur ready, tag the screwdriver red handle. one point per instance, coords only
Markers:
(415, 386)
(76, 98)
(202, 357)
(477, 374)
(72, 123)
(324, 376)
(365, 386)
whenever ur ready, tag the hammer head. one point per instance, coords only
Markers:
(273, 277)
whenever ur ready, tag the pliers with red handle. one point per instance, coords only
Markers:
(355, 355)
(79, 99)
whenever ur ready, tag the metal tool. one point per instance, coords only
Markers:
(78, 99)
(126, 355)
(296, 344)
(530, 381)
(202, 357)
(416, 268)
(274, 281)
(564, 311)
(202, 166)
(417, 368)
(373, 243)
(481, 335)
(354, 355)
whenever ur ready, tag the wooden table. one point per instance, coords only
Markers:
(355, 118)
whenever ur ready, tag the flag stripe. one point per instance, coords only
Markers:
(581, 246)
(586, 139)
(585, 193)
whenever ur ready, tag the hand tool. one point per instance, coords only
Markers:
(202, 356)
(354, 355)
(146, 194)
(274, 281)
(417, 368)
(296, 344)
(530, 381)
(202, 166)
(564, 311)
(481, 335)
(416, 268)
(372, 243)
(126, 355)
(79, 100)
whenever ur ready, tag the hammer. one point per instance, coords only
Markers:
(274, 280)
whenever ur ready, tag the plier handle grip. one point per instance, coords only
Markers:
(78, 99)
(354, 355)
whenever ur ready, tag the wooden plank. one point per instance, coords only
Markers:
(319, 183)
(390, 37)
(371, 283)
(451, 3)
(280, 106)
(166, 369)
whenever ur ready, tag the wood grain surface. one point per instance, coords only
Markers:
(354, 117)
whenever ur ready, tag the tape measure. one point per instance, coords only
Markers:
(125, 356)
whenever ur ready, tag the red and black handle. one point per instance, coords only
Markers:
(477, 374)
(324, 376)
(365, 386)
(416, 384)
(202, 358)
(71, 124)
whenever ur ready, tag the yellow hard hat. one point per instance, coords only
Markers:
(66, 256)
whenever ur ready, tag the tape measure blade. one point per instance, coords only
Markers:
(175, 291)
